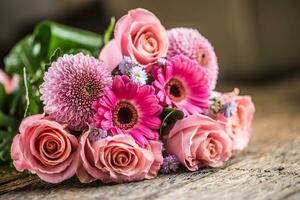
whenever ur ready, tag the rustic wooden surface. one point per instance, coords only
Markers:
(268, 169)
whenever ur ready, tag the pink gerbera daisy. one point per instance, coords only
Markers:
(182, 84)
(128, 108)
(191, 43)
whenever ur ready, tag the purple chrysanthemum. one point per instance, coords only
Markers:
(71, 84)
(191, 43)
(170, 164)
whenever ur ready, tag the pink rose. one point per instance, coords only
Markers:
(197, 141)
(44, 147)
(10, 84)
(118, 159)
(238, 125)
(140, 35)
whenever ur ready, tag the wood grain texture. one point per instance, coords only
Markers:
(268, 169)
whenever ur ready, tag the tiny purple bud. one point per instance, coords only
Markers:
(170, 164)
(96, 134)
(229, 109)
(126, 64)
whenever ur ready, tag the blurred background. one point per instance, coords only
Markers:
(255, 40)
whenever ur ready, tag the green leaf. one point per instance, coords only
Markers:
(109, 31)
(76, 51)
(26, 80)
(24, 54)
(33, 103)
(5, 144)
(3, 96)
(170, 116)
(15, 104)
(6, 120)
(52, 35)
(57, 53)
(37, 49)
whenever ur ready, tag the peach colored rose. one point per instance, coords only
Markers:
(238, 125)
(10, 84)
(44, 147)
(118, 159)
(197, 141)
(140, 35)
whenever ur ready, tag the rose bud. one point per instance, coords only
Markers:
(44, 147)
(198, 141)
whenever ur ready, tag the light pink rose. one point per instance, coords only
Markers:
(140, 35)
(239, 125)
(118, 159)
(197, 141)
(10, 84)
(44, 147)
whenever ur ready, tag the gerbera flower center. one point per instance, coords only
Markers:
(124, 115)
(175, 90)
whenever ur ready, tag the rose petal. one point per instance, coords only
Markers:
(111, 54)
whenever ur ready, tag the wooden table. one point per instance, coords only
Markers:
(268, 169)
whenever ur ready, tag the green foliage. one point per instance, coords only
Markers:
(3, 96)
(22, 55)
(5, 143)
(169, 117)
(30, 58)
(33, 103)
(109, 31)
(8, 125)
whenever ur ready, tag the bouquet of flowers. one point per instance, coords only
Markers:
(143, 104)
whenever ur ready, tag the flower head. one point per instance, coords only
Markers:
(118, 159)
(138, 75)
(71, 84)
(191, 43)
(45, 148)
(96, 133)
(170, 164)
(140, 35)
(230, 109)
(216, 105)
(203, 142)
(182, 84)
(126, 64)
(128, 108)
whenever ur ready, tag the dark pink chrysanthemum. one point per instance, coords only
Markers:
(182, 84)
(128, 108)
(71, 85)
(191, 43)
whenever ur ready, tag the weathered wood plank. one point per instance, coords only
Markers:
(269, 169)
